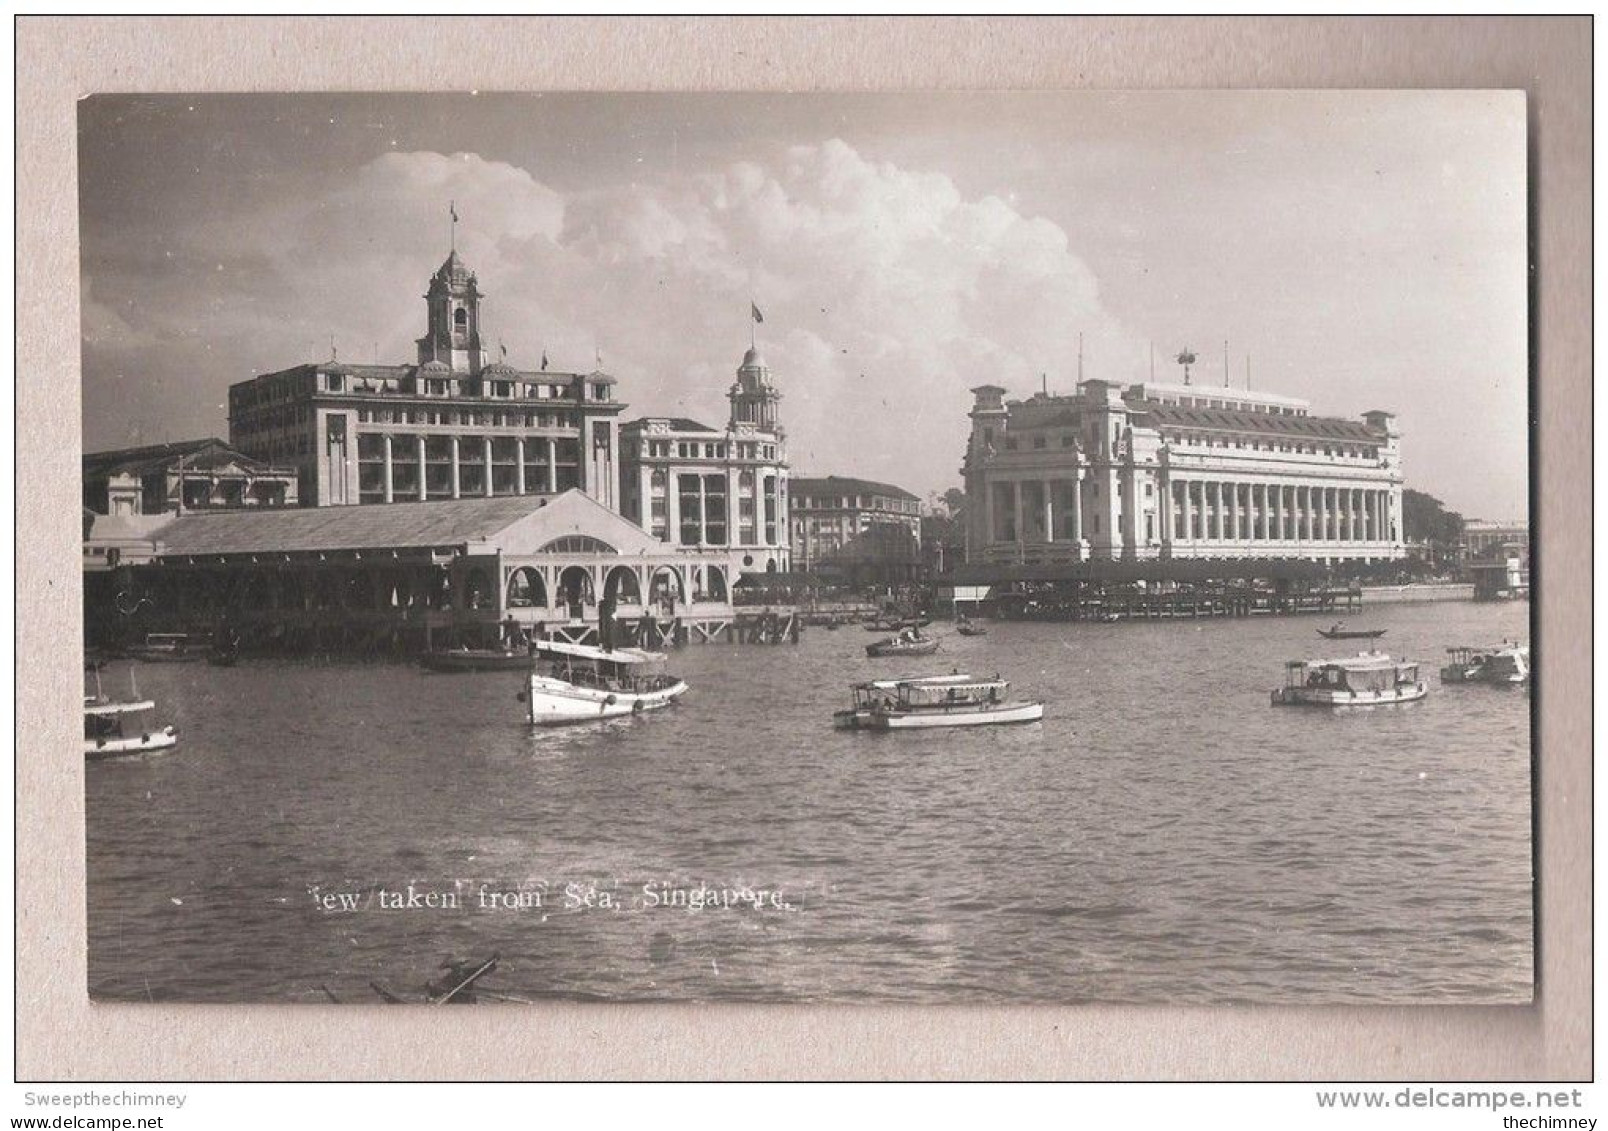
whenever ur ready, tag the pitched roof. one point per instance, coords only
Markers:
(1261, 423)
(516, 524)
(844, 485)
(137, 461)
(377, 526)
(676, 423)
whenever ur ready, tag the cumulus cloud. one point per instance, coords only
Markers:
(887, 294)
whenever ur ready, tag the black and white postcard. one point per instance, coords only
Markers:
(893, 548)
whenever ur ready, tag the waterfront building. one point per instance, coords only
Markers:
(455, 424)
(411, 575)
(868, 533)
(696, 486)
(1155, 471)
(1496, 557)
(186, 475)
(1482, 539)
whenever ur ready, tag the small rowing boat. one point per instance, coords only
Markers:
(910, 642)
(1341, 632)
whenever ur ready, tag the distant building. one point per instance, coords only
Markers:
(1483, 539)
(697, 486)
(864, 531)
(453, 425)
(187, 475)
(1177, 471)
(1496, 556)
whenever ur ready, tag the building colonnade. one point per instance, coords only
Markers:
(1221, 510)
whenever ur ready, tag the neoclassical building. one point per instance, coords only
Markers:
(455, 424)
(1177, 471)
(715, 488)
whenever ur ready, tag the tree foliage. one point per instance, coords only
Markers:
(1426, 519)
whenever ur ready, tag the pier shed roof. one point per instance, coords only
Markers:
(519, 524)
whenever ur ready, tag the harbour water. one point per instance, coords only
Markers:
(1163, 836)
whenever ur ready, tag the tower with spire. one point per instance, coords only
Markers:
(755, 399)
(453, 335)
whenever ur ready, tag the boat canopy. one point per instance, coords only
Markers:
(606, 656)
(936, 694)
(1367, 672)
(899, 681)
(128, 707)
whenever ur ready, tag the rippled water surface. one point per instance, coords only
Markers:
(1164, 835)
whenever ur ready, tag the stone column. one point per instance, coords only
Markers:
(988, 530)
(424, 488)
(519, 466)
(1233, 511)
(1165, 501)
(456, 485)
(488, 466)
(1049, 510)
(1077, 507)
(1016, 509)
(552, 466)
(386, 438)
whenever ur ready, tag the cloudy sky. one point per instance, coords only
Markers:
(1363, 250)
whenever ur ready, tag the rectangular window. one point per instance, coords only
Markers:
(715, 510)
(690, 502)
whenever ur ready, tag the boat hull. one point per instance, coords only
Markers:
(894, 648)
(1369, 634)
(1340, 697)
(113, 747)
(554, 703)
(971, 715)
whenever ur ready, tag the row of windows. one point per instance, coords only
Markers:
(1040, 443)
(1346, 451)
(1233, 405)
(695, 449)
(461, 386)
(457, 417)
(471, 449)
(857, 502)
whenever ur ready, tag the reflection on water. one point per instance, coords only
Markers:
(1164, 835)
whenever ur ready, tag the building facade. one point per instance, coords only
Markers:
(188, 475)
(1177, 471)
(696, 486)
(868, 531)
(408, 576)
(1483, 539)
(453, 425)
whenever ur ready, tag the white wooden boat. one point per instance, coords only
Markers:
(112, 726)
(1504, 665)
(866, 696)
(937, 701)
(1368, 679)
(577, 683)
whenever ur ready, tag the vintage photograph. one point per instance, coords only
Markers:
(915, 548)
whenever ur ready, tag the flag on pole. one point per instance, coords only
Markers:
(452, 207)
(544, 361)
(758, 317)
